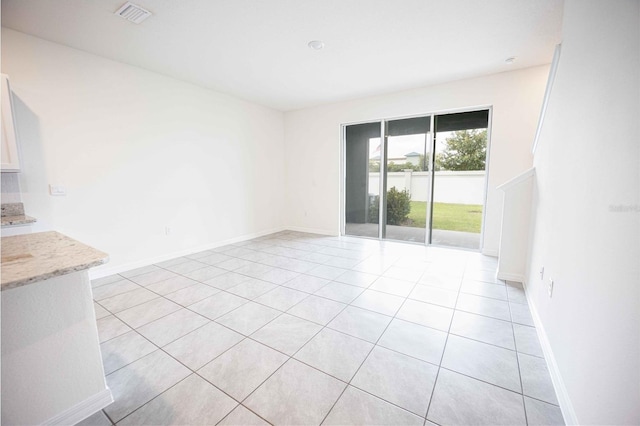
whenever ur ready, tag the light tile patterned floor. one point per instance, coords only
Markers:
(296, 328)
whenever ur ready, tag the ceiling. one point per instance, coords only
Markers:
(257, 49)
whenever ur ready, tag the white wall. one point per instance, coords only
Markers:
(312, 141)
(138, 151)
(587, 165)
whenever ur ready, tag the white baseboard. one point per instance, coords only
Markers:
(564, 401)
(508, 276)
(312, 231)
(106, 271)
(96, 273)
(490, 252)
(84, 409)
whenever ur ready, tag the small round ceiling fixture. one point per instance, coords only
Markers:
(316, 44)
(510, 60)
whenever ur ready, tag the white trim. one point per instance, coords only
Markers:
(343, 179)
(547, 95)
(487, 159)
(11, 164)
(312, 231)
(103, 272)
(82, 410)
(423, 114)
(490, 252)
(508, 276)
(382, 182)
(518, 179)
(564, 401)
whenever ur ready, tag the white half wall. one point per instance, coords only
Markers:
(139, 152)
(586, 213)
(51, 364)
(313, 137)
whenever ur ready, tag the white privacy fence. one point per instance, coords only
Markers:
(449, 187)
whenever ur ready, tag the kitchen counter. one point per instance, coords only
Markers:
(14, 219)
(31, 258)
(22, 219)
(50, 342)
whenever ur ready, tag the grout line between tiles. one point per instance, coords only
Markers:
(184, 365)
(108, 417)
(435, 382)
(369, 354)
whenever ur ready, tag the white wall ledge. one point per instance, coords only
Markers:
(522, 177)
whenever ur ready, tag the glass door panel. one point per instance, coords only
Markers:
(362, 179)
(407, 181)
(459, 179)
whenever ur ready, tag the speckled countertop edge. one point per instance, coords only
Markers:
(30, 258)
(17, 220)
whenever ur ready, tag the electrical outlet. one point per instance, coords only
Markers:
(57, 190)
(167, 231)
(542, 273)
(550, 287)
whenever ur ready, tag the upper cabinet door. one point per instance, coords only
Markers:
(10, 160)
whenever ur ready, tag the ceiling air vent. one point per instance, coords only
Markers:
(133, 12)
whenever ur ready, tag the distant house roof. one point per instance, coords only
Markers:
(412, 154)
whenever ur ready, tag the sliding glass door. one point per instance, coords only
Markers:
(459, 178)
(419, 179)
(362, 179)
(408, 179)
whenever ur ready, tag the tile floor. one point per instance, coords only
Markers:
(301, 329)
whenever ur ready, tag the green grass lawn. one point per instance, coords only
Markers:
(451, 217)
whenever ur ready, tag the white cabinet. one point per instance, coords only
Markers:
(10, 160)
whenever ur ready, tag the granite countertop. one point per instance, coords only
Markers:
(22, 219)
(13, 214)
(30, 258)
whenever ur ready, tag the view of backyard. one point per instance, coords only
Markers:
(457, 151)
(402, 211)
(449, 217)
